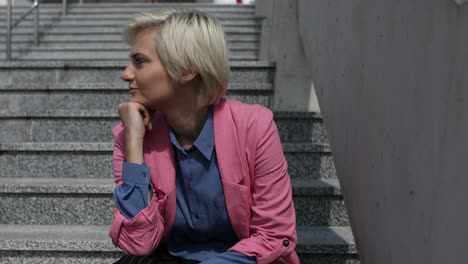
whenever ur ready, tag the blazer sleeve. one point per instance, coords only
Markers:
(141, 234)
(273, 222)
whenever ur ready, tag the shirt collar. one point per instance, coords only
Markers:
(205, 141)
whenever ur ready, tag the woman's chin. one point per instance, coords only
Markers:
(144, 103)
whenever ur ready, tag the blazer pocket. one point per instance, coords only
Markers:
(238, 204)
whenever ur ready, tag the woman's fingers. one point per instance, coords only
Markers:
(135, 118)
(150, 125)
(146, 116)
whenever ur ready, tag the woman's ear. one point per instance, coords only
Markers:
(187, 77)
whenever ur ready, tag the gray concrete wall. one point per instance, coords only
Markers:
(280, 43)
(392, 81)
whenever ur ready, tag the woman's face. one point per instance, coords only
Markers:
(149, 83)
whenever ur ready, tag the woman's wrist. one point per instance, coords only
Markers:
(134, 150)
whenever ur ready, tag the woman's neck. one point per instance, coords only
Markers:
(187, 124)
(185, 115)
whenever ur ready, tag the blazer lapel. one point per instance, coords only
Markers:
(231, 168)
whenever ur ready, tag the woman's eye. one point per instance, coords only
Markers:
(138, 61)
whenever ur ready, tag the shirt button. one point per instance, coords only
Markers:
(285, 243)
(195, 216)
(189, 188)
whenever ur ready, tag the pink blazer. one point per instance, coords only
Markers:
(254, 176)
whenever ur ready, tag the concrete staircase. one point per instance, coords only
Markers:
(58, 106)
(92, 31)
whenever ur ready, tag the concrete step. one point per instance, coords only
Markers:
(228, 12)
(85, 30)
(95, 126)
(326, 245)
(73, 38)
(238, 26)
(27, 97)
(133, 7)
(93, 160)
(101, 55)
(125, 11)
(102, 46)
(45, 99)
(122, 16)
(24, 102)
(91, 244)
(89, 21)
(87, 201)
(56, 244)
(319, 202)
(95, 72)
(87, 34)
(77, 21)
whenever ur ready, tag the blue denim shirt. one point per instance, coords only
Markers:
(201, 230)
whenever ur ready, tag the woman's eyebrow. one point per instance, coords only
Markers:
(136, 54)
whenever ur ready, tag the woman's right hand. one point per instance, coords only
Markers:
(136, 119)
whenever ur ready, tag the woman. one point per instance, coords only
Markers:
(199, 178)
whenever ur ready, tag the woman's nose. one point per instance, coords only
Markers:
(127, 75)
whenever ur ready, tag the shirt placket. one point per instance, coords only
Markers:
(188, 180)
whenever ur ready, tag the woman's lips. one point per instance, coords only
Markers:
(132, 90)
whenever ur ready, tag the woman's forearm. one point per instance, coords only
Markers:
(134, 150)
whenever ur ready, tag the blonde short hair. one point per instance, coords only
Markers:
(188, 41)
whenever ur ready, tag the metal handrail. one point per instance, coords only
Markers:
(10, 27)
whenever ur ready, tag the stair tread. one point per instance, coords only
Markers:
(28, 64)
(325, 240)
(19, 37)
(323, 186)
(125, 7)
(108, 146)
(130, 4)
(41, 86)
(98, 47)
(106, 186)
(85, 30)
(311, 239)
(94, 113)
(57, 185)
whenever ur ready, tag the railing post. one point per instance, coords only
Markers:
(36, 23)
(64, 7)
(8, 31)
(81, 2)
